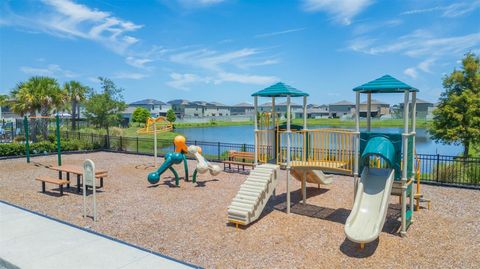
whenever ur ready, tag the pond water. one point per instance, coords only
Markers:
(244, 135)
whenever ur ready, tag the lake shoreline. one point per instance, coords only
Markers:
(319, 122)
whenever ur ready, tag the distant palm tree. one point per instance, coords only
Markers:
(38, 96)
(76, 93)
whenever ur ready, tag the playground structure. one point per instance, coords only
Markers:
(179, 156)
(375, 160)
(155, 126)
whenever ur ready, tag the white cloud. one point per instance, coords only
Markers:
(419, 43)
(245, 78)
(217, 67)
(411, 72)
(183, 81)
(451, 11)
(199, 3)
(343, 11)
(279, 32)
(138, 62)
(66, 18)
(211, 60)
(425, 66)
(130, 75)
(53, 70)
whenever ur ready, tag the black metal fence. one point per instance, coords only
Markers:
(437, 169)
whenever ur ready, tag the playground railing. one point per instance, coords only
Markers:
(332, 149)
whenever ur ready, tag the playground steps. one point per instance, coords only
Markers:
(253, 195)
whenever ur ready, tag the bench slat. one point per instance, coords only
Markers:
(52, 180)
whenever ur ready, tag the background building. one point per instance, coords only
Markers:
(378, 109)
(341, 108)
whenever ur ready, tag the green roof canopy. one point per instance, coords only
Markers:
(280, 90)
(385, 84)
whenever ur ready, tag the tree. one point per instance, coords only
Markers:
(103, 109)
(140, 115)
(171, 117)
(76, 93)
(3, 99)
(39, 95)
(457, 116)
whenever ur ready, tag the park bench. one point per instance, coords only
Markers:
(52, 180)
(240, 159)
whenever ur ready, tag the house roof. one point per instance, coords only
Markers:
(343, 103)
(217, 104)
(385, 84)
(375, 102)
(178, 102)
(148, 102)
(269, 104)
(280, 89)
(243, 104)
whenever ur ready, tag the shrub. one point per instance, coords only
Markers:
(115, 131)
(18, 149)
(12, 149)
(41, 147)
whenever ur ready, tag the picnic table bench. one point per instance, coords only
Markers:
(52, 180)
(239, 158)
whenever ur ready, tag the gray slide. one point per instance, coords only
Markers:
(366, 220)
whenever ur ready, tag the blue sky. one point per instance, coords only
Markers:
(224, 50)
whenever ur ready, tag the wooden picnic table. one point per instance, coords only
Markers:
(77, 170)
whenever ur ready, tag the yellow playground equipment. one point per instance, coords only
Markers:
(155, 126)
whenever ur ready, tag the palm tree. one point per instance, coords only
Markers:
(76, 93)
(38, 95)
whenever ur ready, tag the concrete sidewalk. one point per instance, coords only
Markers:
(28, 240)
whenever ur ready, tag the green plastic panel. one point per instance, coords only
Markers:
(379, 146)
(394, 161)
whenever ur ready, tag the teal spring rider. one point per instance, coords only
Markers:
(172, 158)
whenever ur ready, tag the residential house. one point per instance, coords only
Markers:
(341, 108)
(424, 108)
(377, 109)
(317, 111)
(216, 109)
(281, 109)
(242, 109)
(199, 109)
(179, 106)
(156, 108)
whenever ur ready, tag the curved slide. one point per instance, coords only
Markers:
(312, 176)
(366, 220)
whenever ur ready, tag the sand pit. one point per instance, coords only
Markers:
(189, 223)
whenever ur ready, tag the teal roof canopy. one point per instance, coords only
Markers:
(385, 84)
(280, 90)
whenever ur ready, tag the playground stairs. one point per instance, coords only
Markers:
(254, 193)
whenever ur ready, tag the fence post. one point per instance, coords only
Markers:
(137, 144)
(78, 135)
(121, 144)
(92, 138)
(218, 152)
(438, 166)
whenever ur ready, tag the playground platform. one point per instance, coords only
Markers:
(29, 240)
